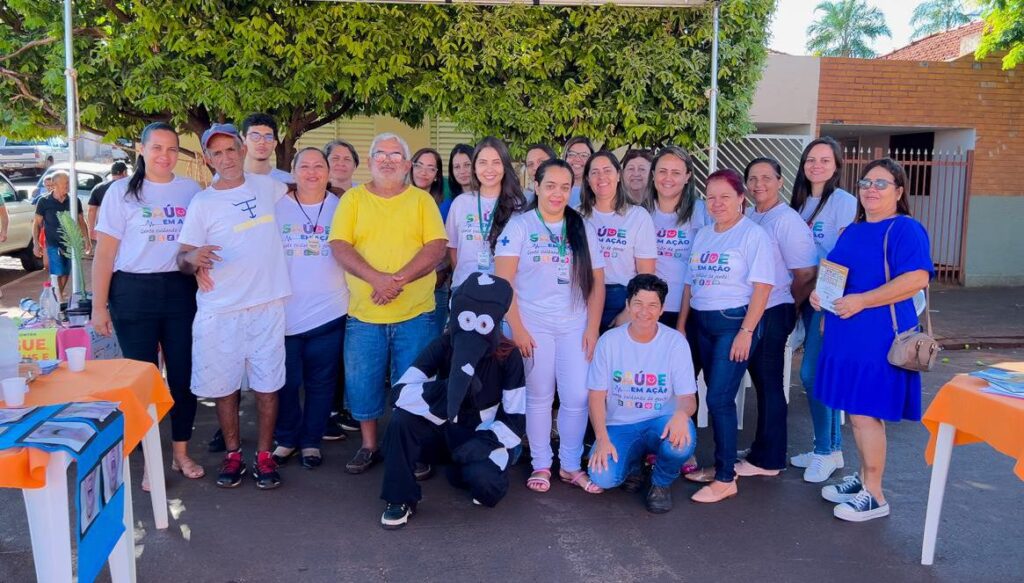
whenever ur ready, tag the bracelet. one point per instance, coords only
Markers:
(747, 330)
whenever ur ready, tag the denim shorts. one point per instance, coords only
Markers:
(59, 264)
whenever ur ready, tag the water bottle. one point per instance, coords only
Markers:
(10, 356)
(49, 304)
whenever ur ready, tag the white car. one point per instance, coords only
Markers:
(21, 213)
(88, 174)
(32, 157)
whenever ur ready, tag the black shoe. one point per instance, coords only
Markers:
(659, 500)
(396, 515)
(423, 471)
(311, 462)
(265, 471)
(334, 431)
(345, 420)
(231, 470)
(362, 461)
(216, 444)
(283, 459)
(633, 483)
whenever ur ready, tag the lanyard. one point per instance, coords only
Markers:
(485, 228)
(311, 222)
(561, 243)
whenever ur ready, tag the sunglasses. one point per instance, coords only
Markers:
(878, 183)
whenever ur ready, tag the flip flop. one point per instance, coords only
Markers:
(539, 481)
(190, 469)
(581, 480)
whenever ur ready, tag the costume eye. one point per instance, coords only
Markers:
(484, 324)
(467, 321)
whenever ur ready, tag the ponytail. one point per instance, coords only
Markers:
(134, 190)
(582, 269)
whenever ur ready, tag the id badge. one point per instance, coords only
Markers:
(483, 260)
(313, 245)
(563, 273)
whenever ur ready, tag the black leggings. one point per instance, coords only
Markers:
(151, 312)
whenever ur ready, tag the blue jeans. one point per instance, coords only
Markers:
(614, 303)
(636, 440)
(369, 348)
(767, 368)
(716, 330)
(441, 297)
(828, 436)
(310, 362)
(59, 264)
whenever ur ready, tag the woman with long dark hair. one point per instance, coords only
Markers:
(460, 170)
(624, 231)
(828, 210)
(427, 173)
(477, 219)
(553, 260)
(138, 291)
(578, 150)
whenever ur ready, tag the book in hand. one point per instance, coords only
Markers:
(831, 283)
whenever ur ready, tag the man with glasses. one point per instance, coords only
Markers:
(259, 133)
(389, 238)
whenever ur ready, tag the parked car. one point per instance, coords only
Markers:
(89, 174)
(32, 156)
(21, 212)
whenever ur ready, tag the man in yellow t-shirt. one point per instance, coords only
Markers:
(389, 237)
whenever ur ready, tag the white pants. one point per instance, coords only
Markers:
(558, 358)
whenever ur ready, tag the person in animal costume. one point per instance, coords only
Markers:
(462, 402)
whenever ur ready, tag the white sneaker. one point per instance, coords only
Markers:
(820, 469)
(804, 460)
(863, 507)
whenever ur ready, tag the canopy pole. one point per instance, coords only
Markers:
(713, 138)
(72, 110)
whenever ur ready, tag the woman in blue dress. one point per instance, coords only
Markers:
(854, 374)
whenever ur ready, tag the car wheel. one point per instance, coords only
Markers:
(29, 261)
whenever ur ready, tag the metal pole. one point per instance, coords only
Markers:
(72, 110)
(713, 138)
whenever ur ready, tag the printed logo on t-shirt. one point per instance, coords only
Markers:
(162, 223)
(613, 241)
(305, 240)
(818, 228)
(710, 268)
(248, 206)
(472, 226)
(640, 390)
(674, 243)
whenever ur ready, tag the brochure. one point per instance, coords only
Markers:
(831, 283)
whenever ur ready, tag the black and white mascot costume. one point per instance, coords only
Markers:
(462, 402)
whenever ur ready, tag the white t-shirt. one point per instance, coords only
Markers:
(543, 281)
(838, 213)
(574, 196)
(319, 292)
(793, 248)
(674, 242)
(642, 379)
(725, 266)
(473, 252)
(148, 230)
(241, 222)
(624, 239)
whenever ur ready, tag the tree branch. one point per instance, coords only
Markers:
(25, 92)
(12, 20)
(90, 31)
(121, 16)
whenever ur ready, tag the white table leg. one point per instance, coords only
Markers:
(702, 401)
(787, 371)
(153, 452)
(48, 522)
(122, 559)
(937, 490)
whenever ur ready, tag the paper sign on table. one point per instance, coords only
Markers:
(38, 343)
(831, 283)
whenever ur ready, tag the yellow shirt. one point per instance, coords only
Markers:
(388, 233)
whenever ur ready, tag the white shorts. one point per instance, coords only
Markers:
(229, 346)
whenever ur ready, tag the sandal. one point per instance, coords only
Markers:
(581, 480)
(188, 468)
(701, 476)
(539, 481)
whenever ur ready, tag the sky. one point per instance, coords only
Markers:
(789, 28)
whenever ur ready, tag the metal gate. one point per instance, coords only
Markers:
(737, 153)
(939, 188)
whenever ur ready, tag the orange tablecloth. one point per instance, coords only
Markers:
(135, 385)
(978, 416)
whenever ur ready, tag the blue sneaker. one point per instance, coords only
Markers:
(843, 491)
(862, 508)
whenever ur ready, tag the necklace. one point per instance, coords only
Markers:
(316, 223)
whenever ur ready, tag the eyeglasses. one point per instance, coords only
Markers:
(256, 137)
(424, 167)
(878, 183)
(380, 156)
(577, 156)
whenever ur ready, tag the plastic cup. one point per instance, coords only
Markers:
(76, 358)
(14, 390)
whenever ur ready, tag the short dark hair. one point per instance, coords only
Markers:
(632, 154)
(647, 282)
(899, 179)
(259, 119)
(331, 145)
(577, 140)
(118, 168)
(543, 148)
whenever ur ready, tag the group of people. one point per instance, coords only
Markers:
(467, 305)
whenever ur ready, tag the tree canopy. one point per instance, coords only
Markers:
(1004, 31)
(845, 28)
(618, 75)
(934, 16)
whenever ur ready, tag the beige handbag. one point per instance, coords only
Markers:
(912, 350)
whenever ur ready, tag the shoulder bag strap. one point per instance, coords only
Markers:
(927, 289)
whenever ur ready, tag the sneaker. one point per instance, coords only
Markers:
(659, 500)
(231, 470)
(362, 461)
(216, 444)
(633, 483)
(423, 471)
(333, 431)
(803, 460)
(821, 468)
(265, 471)
(396, 515)
(861, 508)
(346, 422)
(844, 491)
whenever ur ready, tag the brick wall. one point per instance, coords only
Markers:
(955, 94)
